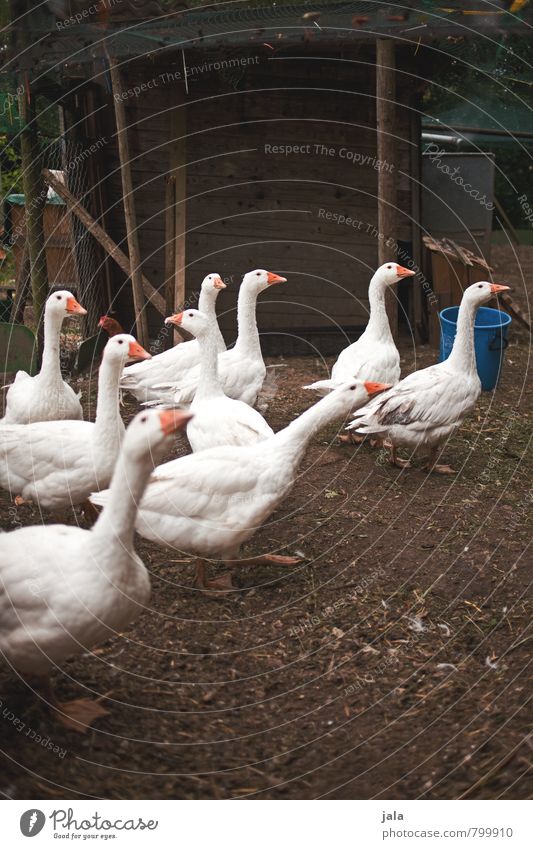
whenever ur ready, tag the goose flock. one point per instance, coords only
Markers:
(63, 589)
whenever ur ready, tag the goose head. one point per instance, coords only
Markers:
(259, 280)
(193, 321)
(62, 304)
(390, 272)
(348, 397)
(481, 292)
(122, 347)
(148, 433)
(212, 285)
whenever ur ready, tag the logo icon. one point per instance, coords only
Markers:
(32, 822)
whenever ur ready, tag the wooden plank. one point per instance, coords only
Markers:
(101, 236)
(132, 235)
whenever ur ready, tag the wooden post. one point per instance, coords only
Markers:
(23, 285)
(417, 316)
(170, 249)
(34, 201)
(178, 170)
(386, 145)
(129, 206)
(101, 236)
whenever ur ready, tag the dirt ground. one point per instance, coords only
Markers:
(393, 663)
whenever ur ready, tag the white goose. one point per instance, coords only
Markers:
(241, 370)
(174, 364)
(424, 408)
(58, 464)
(210, 503)
(217, 419)
(64, 589)
(46, 396)
(374, 355)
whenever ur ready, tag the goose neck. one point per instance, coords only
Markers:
(248, 337)
(378, 321)
(115, 527)
(208, 384)
(108, 401)
(51, 364)
(294, 439)
(463, 355)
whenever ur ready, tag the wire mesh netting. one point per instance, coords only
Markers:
(72, 254)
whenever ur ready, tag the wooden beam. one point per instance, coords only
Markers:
(386, 144)
(101, 236)
(129, 205)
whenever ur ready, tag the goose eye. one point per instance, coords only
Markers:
(480, 286)
(143, 419)
(353, 387)
(121, 341)
(58, 297)
(389, 267)
(258, 274)
(191, 315)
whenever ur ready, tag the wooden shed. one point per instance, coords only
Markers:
(259, 137)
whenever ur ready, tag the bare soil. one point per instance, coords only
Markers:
(393, 663)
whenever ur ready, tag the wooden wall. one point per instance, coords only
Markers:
(248, 206)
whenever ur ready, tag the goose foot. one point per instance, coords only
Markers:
(212, 586)
(352, 438)
(262, 559)
(438, 468)
(77, 714)
(376, 443)
(20, 501)
(394, 460)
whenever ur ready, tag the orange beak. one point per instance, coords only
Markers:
(275, 278)
(218, 283)
(137, 352)
(374, 388)
(172, 420)
(74, 307)
(404, 272)
(496, 287)
(174, 319)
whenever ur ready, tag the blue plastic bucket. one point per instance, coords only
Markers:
(490, 340)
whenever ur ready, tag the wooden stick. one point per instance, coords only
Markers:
(385, 123)
(129, 205)
(101, 236)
